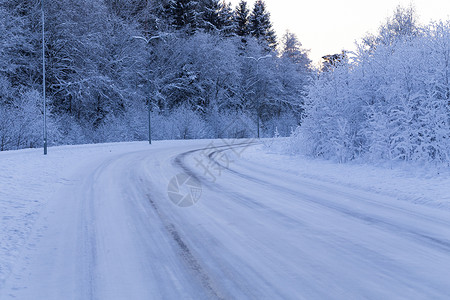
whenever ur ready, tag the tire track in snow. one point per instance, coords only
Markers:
(89, 234)
(186, 253)
(443, 245)
(249, 202)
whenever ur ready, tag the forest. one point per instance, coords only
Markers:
(200, 65)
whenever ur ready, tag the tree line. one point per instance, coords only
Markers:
(201, 65)
(195, 63)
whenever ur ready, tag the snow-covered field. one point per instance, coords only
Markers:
(96, 222)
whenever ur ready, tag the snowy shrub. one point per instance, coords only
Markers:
(333, 124)
(295, 144)
(6, 125)
(231, 124)
(283, 124)
(186, 124)
(21, 123)
(70, 131)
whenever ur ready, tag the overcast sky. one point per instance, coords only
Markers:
(327, 27)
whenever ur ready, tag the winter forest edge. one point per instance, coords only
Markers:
(203, 64)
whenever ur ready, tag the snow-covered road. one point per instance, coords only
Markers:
(258, 231)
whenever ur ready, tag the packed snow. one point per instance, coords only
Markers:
(96, 222)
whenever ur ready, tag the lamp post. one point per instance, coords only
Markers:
(43, 78)
(149, 120)
(149, 117)
(257, 80)
(149, 99)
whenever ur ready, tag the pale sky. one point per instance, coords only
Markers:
(327, 27)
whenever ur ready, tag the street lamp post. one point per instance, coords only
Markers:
(43, 77)
(149, 106)
(149, 120)
(149, 99)
(257, 80)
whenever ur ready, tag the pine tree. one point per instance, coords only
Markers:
(226, 19)
(210, 20)
(261, 26)
(153, 19)
(184, 15)
(241, 17)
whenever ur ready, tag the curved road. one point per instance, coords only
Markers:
(257, 232)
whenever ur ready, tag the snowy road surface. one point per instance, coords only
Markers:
(258, 231)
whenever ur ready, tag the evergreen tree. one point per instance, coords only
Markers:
(261, 26)
(154, 18)
(217, 17)
(184, 15)
(210, 20)
(241, 17)
(226, 19)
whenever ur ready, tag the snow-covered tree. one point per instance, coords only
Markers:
(184, 15)
(293, 50)
(391, 102)
(260, 25)
(241, 17)
(109, 60)
(294, 74)
(402, 25)
(227, 26)
(127, 9)
(210, 15)
(20, 62)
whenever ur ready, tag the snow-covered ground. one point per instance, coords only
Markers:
(409, 181)
(96, 222)
(29, 179)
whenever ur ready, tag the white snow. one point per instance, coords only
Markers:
(28, 179)
(427, 184)
(95, 222)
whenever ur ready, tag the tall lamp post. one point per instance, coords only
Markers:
(149, 120)
(149, 117)
(149, 99)
(43, 77)
(257, 80)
